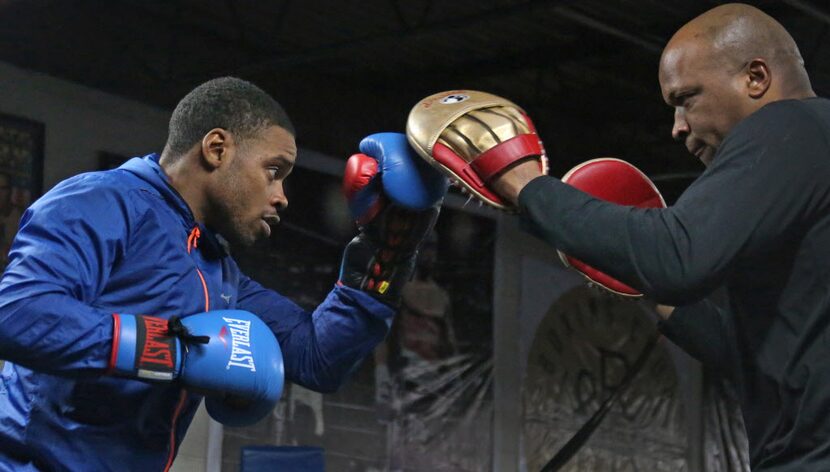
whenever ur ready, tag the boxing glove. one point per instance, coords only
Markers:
(395, 199)
(229, 355)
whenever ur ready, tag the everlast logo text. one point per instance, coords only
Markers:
(157, 349)
(241, 355)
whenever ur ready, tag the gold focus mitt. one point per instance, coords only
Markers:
(471, 137)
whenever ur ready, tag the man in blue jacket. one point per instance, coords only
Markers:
(145, 239)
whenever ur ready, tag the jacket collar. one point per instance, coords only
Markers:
(149, 170)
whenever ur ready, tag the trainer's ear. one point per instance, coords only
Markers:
(216, 146)
(758, 78)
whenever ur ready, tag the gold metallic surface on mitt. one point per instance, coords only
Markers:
(479, 130)
(431, 116)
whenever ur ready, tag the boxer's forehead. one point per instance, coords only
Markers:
(274, 144)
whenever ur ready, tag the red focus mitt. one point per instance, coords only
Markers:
(619, 182)
(472, 137)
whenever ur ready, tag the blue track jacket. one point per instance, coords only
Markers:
(124, 241)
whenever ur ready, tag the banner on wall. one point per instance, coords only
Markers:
(583, 349)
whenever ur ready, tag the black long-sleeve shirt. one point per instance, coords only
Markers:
(757, 221)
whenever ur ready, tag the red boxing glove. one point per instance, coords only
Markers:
(619, 182)
(361, 188)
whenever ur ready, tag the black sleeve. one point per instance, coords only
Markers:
(761, 185)
(705, 332)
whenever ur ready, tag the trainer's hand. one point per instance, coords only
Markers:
(664, 311)
(510, 183)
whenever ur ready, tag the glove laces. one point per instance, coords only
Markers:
(176, 328)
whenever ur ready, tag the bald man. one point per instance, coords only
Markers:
(756, 223)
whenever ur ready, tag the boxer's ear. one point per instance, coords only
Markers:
(217, 148)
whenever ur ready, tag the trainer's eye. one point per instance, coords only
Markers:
(273, 172)
(686, 99)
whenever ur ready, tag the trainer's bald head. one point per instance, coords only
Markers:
(733, 35)
(722, 67)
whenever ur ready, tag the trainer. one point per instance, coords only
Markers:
(756, 223)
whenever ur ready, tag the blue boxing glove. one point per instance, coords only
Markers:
(229, 355)
(395, 198)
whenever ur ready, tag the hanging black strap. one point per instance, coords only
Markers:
(580, 437)
(176, 328)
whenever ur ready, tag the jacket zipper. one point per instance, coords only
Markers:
(192, 243)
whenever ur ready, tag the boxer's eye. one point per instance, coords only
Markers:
(273, 172)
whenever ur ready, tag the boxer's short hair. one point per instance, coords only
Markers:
(233, 104)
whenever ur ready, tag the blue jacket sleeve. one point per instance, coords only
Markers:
(59, 263)
(320, 348)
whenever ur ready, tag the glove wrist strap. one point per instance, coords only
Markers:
(375, 270)
(144, 348)
(381, 259)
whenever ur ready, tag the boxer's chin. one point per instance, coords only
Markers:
(247, 235)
